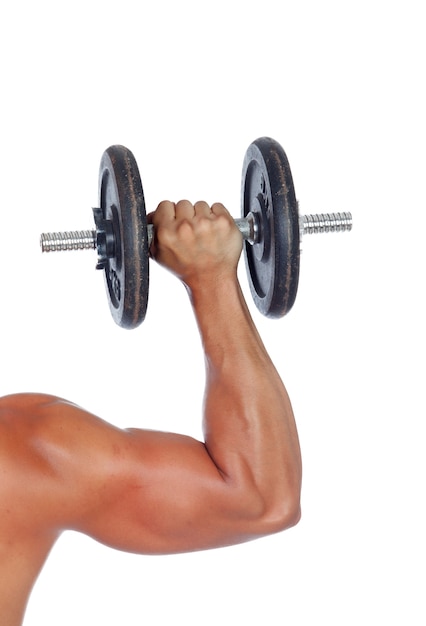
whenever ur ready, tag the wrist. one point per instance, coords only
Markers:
(221, 312)
(214, 292)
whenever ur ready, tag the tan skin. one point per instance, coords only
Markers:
(153, 492)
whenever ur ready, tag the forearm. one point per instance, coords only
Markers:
(249, 428)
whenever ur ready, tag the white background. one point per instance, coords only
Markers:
(187, 86)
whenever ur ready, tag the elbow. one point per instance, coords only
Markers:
(291, 516)
(281, 515)
(281, 503)
(267, 508)
(269, 516)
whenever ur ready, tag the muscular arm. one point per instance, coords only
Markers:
(244, 481)
(154, 492)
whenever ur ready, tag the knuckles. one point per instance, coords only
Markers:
(193, 236)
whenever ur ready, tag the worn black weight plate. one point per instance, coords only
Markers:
(273, 262)
(127, 270)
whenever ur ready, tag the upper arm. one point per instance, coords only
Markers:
(136, 490)
(161, 493)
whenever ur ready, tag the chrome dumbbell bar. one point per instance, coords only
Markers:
(308, 224)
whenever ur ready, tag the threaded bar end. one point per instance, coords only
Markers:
(325, 223)
(71, 240)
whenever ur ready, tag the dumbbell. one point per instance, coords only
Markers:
(270, 225)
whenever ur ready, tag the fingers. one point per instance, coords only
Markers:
(183, 210)
(219, 209)
(169, 212)
(195, 240)
(165, 213)
(169, 216)
(166, 220)
(202, 209)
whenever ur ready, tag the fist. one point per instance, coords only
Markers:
(195, 242)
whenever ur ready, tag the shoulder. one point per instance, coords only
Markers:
(46, 416)
(30, 420)
(54, 456)
(26, 408)
(22, 401)
(21, 419)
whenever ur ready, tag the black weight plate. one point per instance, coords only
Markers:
(268, 192)
(122, 201)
